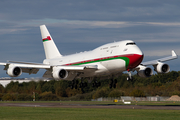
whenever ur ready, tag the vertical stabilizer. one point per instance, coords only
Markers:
(50, 48)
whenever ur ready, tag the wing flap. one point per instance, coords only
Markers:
(73, 67)
(77, 68)
(48, 74)
(30, 71)
(91, 67)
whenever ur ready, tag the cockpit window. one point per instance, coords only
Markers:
(131, 43)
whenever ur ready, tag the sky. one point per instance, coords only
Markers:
(82, 25)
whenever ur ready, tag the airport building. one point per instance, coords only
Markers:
(6, 80)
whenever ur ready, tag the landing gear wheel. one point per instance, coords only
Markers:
(96, 84)
(112, 83)
(115, 81)
(110, 86)
(128, 78)
(75, 86)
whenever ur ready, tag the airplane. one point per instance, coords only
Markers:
(109, 59)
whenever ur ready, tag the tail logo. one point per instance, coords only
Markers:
(46, 39)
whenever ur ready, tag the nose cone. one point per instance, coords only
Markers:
(135, 60)
(135, 57)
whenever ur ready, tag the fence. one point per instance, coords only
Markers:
(130, 98)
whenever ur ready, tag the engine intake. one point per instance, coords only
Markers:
(145, 72)
(59, 73)
(63, 73)
(14, 71)
(162, 68)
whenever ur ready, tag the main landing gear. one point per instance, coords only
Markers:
(75, 84)
(112, 83)
(96, 84)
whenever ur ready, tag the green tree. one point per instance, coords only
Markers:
(48, 96)
(137, 93)
(116, 93)
(1, 89)
(72, 92)
(10, 97)
(48, 87)
(12, 87)
(103, 92)
(24, 97)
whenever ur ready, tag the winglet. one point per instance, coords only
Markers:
(174, 54)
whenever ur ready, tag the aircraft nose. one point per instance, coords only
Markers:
(135, 60)
(138, 51)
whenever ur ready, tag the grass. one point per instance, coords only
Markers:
(46, 113)
(41, 113)
(173, 103)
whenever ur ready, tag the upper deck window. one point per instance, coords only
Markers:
(105, 48)
(131, 43)
(113, 46)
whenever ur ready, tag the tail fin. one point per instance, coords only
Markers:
(50, 48)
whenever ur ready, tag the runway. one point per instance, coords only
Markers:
(108, 106)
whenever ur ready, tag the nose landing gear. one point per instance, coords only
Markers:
(130, 76)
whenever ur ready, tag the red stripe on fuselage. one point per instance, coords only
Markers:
(134, 60)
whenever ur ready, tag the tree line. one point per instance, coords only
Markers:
(158, 84)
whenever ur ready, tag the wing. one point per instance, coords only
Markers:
(155, 62)
(69, 72)
(15, 69)
(159, 66)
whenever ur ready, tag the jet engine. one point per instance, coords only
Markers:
(162, 68)
(59, 74)
(14, 71)
(144, 71)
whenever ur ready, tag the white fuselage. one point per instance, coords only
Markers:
(109, 58)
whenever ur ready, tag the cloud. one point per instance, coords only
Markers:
(11, 30)
(103, 24)
(86, 23)
(163, 23)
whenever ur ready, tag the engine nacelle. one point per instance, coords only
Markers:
(59, 74)
(145, 72)
(162, 68)
(14, 71)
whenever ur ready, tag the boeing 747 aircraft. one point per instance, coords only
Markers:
(108, 59)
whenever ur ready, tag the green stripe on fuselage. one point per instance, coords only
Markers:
(107, 59)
